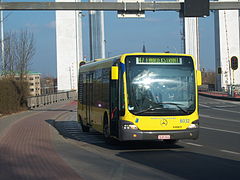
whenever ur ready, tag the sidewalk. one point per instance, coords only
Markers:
(219, 95)
(27, 146)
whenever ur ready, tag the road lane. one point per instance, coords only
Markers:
(75, 154)
(220, 114)
(219, 118)
(226, 112)
(219, 129)
(219, 124)
(213, 156)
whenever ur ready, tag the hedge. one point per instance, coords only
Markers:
(12, 96)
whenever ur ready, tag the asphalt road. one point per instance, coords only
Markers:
(215, 155)
(48, 143)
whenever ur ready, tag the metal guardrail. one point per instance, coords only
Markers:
(231, 90)
(38, 101)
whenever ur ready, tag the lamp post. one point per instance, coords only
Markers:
(2, 40)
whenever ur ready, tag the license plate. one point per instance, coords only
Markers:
(163, 136)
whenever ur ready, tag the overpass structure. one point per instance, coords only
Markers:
(114, 6)
(227, 38)
(69, 47)
(227, 43)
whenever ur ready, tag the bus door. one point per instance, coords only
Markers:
(89, 97)
(114, 109)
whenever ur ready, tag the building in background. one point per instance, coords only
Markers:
(69, 47)
(33, 79)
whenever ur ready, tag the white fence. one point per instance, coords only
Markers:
(37, 101)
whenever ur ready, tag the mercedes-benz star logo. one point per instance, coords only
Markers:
(163, 122)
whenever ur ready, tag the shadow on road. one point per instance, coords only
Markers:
(72, 130)
(169, 161)
(188, 165)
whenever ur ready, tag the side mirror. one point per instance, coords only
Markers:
(199, 78)
(114, 73)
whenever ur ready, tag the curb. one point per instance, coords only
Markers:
(220, 97)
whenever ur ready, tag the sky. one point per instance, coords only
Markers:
(159, 31)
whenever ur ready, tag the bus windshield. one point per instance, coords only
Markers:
(160, 85)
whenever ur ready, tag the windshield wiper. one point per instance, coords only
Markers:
(157, 107)
(177, 105)
(151, 108)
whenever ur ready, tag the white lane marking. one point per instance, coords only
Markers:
(222, 130)
(226, 101)
(219, 109)
(221, 119)
(193, 144)
(231, 152)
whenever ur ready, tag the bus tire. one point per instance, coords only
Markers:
(106, 132)
(84, 128)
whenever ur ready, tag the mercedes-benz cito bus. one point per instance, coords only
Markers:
(140, 96)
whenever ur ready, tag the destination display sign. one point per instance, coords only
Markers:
(159, 60)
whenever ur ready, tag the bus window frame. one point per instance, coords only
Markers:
(114, 99)
(121, 93)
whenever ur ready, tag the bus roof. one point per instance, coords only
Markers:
(108, 62)
(162, 54)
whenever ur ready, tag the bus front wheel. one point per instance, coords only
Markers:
(106, 133)
(84, 128)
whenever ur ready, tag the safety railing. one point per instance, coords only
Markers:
(38, 101)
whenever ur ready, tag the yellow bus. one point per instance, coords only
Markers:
(140, 96)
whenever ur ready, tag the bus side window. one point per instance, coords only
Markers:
(121, 95)
(81, 89)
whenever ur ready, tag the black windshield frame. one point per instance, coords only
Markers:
(175, 83)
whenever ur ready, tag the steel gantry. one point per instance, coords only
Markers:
(123, 7)
(113, 6)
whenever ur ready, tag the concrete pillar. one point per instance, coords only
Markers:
(68, 46)
(97, 36)
(226, 46)
(191, 37)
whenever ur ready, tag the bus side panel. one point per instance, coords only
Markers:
(105, 95)
(100, 103)
(82, 98)
(94, 97)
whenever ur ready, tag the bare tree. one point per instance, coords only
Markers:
(9, 68)
(25, 50)
(19, 50)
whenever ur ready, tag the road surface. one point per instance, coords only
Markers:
(48, 143)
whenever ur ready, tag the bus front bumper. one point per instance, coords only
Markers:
(132, 135)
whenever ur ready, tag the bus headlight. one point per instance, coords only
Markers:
(130, 126)
(195, 124)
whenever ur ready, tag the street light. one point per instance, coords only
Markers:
(2, 40)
